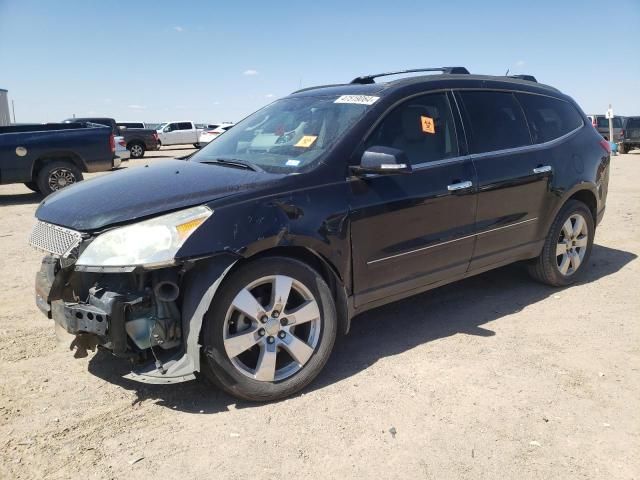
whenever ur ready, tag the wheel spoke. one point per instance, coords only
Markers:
(299, 350)
(564, 264)
(305, 313)
(582, 241)
(561, 249)
(577, 228)
(247, 304)
(567, 229)
(241, 343)
(266, 366)
(575, 261)
(281, 290)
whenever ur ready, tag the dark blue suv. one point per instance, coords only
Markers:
(246, 260)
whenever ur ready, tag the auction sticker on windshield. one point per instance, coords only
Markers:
(357, 99)
(306, 141)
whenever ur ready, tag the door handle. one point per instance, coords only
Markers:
(542, 169)
(459, 186)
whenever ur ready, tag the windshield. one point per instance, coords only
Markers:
(285, 136)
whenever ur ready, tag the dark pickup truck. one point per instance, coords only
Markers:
(138, 140)
(49, 157)
(630, 135)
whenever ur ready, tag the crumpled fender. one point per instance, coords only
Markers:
(199, 287)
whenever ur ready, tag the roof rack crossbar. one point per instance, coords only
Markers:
(530, 78)
(367, 79)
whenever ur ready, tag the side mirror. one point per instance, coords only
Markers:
(166, 129)
(383, 160)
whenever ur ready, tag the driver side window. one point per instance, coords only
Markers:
(422, 127)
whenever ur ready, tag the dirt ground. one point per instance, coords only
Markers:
(492, 377)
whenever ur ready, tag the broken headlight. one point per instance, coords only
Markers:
(153, 242)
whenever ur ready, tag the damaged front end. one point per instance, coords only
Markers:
(142, 313)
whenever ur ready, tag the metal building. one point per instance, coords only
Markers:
(5, 119)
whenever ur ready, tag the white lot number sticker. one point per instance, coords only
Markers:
(357, 99)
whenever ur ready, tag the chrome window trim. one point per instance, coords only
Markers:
(402, 254)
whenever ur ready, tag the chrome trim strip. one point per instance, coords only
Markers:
(371, 262)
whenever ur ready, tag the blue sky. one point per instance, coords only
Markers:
(217, 61)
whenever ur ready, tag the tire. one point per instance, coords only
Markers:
(196, 145)
(137, 150)
(159, 144)
(309, 338)
(551, 266)
(622, 149)
(65, 172)
(32, 186)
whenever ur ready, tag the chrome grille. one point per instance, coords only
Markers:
(53, 239)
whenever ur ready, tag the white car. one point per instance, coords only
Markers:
(209, 134)
(178, 133)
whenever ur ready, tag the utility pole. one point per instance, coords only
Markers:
(13, 108)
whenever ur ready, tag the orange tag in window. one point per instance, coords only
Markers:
(306, 141)
(427, 124)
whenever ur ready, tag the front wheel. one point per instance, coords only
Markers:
(269, 330)
(56, 175)
(567, 248)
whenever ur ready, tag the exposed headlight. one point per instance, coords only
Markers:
(150, 242)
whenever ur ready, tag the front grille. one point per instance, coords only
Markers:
(53, 239)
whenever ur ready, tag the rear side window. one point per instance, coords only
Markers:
(633, 123)
(422, 128)
(549, 118)
(184, 126)
(495, 121)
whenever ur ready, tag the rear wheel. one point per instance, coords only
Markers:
(622, 148)
(270, 329)
(137, 150)
(567, 249)
(32, 186)
(196, 145)
(56, 175)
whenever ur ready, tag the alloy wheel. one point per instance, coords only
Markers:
(136, 151)
(272, 328)
(60, 178)
(572, 244)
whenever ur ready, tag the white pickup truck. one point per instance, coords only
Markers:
(177, 133)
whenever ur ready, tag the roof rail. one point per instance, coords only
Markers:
(529, 78)
(446, 70)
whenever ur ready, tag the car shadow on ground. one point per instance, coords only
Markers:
(27, 198)
(461, 307)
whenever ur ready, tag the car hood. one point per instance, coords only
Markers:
(140, 192)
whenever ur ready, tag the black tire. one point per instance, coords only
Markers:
(545, 268)
(136, 149)
(196, 145)
(46, 182)
(33, 186)
(216, 364)
(622, 149)
(159, 144)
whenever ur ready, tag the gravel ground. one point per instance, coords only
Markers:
(492, 377)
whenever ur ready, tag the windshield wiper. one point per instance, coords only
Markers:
(235, 163)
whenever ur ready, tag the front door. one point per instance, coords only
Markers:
(413, 230)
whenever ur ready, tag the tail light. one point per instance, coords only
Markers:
(621, 134)
(594, 123)
(155, 136)
(605, 145)
(112, 143)
(122, 143)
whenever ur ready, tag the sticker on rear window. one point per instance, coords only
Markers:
(357, 99)
(306, 141)
(428, 126)
(292, 163)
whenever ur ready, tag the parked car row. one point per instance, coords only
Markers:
(626, 131)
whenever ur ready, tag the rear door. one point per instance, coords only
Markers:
(187, 132)
(410, 231)
(513, 181)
